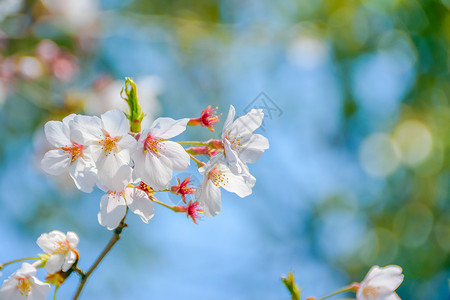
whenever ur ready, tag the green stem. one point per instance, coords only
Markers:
(56, 289)
(195, 143)
(345, 289)
(162, 203)
(198, 162)
(17, 260)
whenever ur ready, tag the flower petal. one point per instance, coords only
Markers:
(55, 162)
(154, 171)
(167, 128)
(113, 172)
(247, 123)
(54, 263)
(69, 260)
(86, 130)
(115, 123)
(57, 134)
(228, 122)
(84, 174)
(73, 239)
(208, 195)
(253, 148)
(176, 154)
(112, 210)
(139, 204)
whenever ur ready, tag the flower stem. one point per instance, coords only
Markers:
(56, 290)
(345, 289)
(195, 143)
(198, 162)
(17, 260)
(112, 242)
(162, 203)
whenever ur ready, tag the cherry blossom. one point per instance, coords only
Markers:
(155, 157)
(60, 248)
(217, 174)
(68, 155)
(109, 143)
(208, 119)
(182, 188)
(24, 285)
(380, 283)
(240, 144)
(114, 205)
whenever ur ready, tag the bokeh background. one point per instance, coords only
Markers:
(357, 101)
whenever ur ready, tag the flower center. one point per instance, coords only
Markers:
(74, 151)
(219, 178)
(63, 247)
(109, 144)
(153, 145)
(24, 286)
(236, 143)
(371, 290)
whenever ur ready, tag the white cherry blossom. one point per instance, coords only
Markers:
(381, 283)
(109, 143)
(217, 174)
(23, 284)
(155, 157)
(240, 144)
(68, 155)
(113, 206)
(60, 248)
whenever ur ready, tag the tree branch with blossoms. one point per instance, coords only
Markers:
(131, 165)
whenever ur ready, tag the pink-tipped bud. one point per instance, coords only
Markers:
(208, 119)
(182, 188)
(192, 210)
(204, 150)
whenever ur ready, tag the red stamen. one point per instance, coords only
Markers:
(74, 151)
(208, 119)
(182, 188)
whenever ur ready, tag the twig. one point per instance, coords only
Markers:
(112, 242)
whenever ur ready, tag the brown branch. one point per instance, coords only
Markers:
(112, 242)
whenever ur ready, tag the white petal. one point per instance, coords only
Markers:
(209, 197)
(39, 289)
(154, 171)
(235, 183)
(27, 270)
(84, 174)
(228, 122)
(112, 211)
(49, 241)
(114, 173)
(127, 142)
(176, 154)
(253, 148)
(69, 260)
(55, 162)
(54, 263)
(248, 123)
(56, 134)
(115, 123)
(232, 157)
(388, 279)
(167, 128)
(86, 130)
(139, 204)
(73, 239)
(9, 288)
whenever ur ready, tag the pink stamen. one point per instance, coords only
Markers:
(74, 151)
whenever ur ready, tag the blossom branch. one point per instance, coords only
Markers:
(115, 238)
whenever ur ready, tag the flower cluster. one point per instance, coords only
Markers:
(59, 258)
(114, 154)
